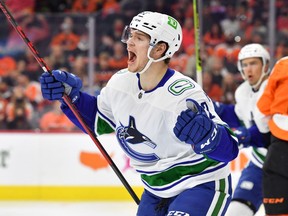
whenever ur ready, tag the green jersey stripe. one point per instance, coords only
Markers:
(258, 155)
(176, 173)
(221, 198)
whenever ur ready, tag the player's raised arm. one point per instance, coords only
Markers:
(55, 85)
(194, 127)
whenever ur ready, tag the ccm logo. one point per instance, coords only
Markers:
(273, 200)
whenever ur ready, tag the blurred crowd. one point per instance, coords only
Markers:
(59, 31)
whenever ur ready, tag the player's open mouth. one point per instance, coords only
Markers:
(131, 57)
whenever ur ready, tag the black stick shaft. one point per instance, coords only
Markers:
(67, 100)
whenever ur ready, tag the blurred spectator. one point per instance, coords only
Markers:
(55, 120)
(188, 34)
(7, 65)
(79, 68)
(119, 58)
(179, 8)
(105, 45)
(230, 22)
(213, 90)
(113, 27)
(214, 37)
(3, 105)
(31, 89)
(228, 52)
(216, 10)
(66, 38)
(190, 69)
(257, 37)
(244, 33)
(161, 6)
(103, 69)
(19, 111)
(4, 95)
(229, 44)
(282, 22)
(118, 26)
(18, 6)
(244, 12)
(281, 49)
(28, 65)
(130, 8)
(189, 10)
(54, 6)
(179, 60)
(86, 6)
(36, 29)
(230, 61)
(259, 29)
(215, 67)
(110, 7)
(260, 10)
(83, 45)
(57, 58)
(228, 87)
(5, 89)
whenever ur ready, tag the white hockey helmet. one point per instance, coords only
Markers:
(161, 28)
(251, 51)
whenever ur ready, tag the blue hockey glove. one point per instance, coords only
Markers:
(243, 136)
(54, 86)
(194, 127)
(248, 137)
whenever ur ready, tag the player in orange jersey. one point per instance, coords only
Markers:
(272, 115)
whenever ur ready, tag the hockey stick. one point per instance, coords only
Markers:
(197, 43)
(68, 102)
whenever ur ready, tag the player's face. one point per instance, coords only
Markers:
(137, 46)
(252, 69)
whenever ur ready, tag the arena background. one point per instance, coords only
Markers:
(42, 155)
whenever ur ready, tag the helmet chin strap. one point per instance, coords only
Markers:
(256, 86)
(150, 60)
(146, 66)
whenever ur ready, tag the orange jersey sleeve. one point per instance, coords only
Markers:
(274, 101)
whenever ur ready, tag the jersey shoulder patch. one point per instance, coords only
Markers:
(180, 85)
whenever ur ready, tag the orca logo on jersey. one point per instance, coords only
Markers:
(129, 135)
(179, 86)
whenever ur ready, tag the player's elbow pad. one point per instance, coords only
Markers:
(227, 149)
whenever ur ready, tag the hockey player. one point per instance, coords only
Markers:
(253, 64)
(163, 121)
(272, 115)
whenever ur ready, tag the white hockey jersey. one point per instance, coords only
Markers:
(144, 122)
(245, 107)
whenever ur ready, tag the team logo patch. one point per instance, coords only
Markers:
(172, 22)
(129, 136)
(179, 86)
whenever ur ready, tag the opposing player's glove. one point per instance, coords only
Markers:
(54, 86)
(248, 137)
(194, 127)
